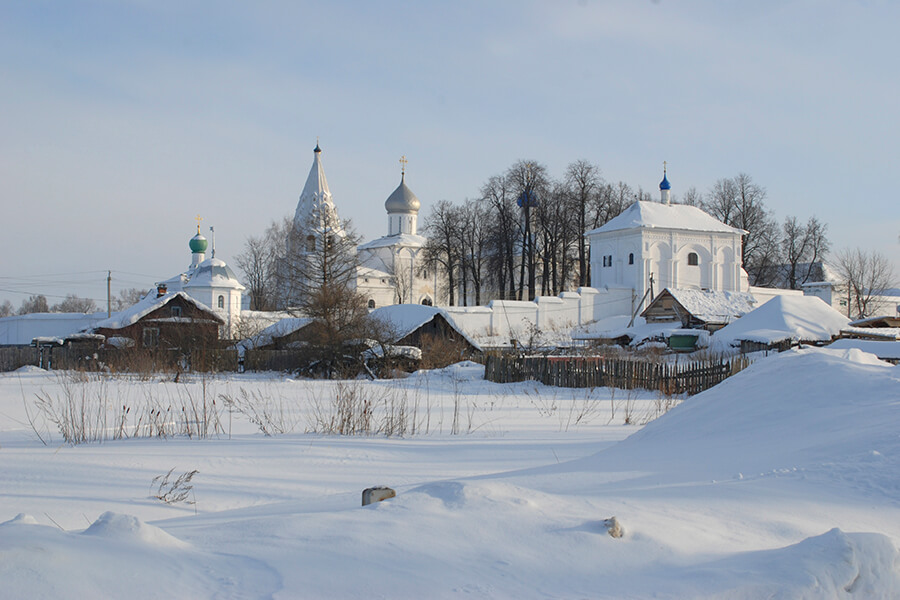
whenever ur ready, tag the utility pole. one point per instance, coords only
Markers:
(108, 294)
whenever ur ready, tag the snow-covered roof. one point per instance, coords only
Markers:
(804, 318)
(404, 240)
(134, 313)
(406, 318)
(714, 306)
(643, 214)
(888, 333)
(21, 329)
(213, 272)
(882, 349)
(617, 327)
(175, 283)
(608, 329)
(279, 329)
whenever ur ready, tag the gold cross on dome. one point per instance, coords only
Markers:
(199, 218)
(403, 162)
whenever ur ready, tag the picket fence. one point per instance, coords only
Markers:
(684, 377)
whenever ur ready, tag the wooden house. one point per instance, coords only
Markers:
(416, 324)
(170, 320)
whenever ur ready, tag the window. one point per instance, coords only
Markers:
(693, 259)
(371, 303)
(176, 311)
(426, 301)
(631, 258)
(151, 337)
(607, 260)
(221, 302)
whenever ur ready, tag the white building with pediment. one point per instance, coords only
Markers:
(672, 245)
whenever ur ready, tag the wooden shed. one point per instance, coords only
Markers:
(698, 309)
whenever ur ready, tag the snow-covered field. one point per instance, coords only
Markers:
(782, 482)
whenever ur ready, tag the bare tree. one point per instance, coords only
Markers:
(6, 309)
(442, 248)
(582, 186)
(474, 235)
(692, 197)
(867, 276)
(127, 297)
(530, 185)
(74, 304)
(740, 203)
(259, 262)
(34, 304)
(802, 246)
(504, 233)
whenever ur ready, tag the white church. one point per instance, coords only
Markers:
(391, 267)
(675, 245)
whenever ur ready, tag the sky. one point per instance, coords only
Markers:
(122, 121)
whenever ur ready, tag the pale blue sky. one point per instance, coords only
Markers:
(121, 121)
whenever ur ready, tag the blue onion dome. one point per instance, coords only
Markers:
(664, 184)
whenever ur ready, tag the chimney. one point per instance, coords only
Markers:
(160, 289)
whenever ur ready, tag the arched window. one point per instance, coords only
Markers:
(221, 301)
(631, 258)
(371, 303)
(426, 301)
(693, 259)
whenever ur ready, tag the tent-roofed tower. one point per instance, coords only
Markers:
(316, 213)
(315, 231)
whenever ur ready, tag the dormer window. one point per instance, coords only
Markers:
(693, 259)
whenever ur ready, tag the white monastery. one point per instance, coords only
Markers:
(650, 247)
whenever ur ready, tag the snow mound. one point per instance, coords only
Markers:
(120, 557)
(804, 318)
(466, 370)
(832, 565)
(855, 355)
(804, 412)
(21, 519)
(126, 527)
(29, 369)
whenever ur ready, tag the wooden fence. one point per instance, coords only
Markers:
(596, 371)
(70, 357)
(13, 357)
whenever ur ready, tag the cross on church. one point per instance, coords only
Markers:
(199, 218)
(403, 162)
(664, 167)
